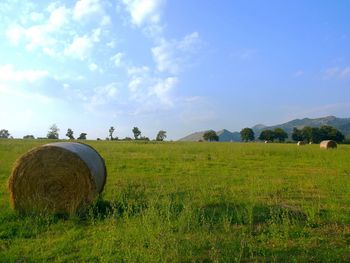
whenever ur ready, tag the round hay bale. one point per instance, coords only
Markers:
(328, 144)
(300, 143)
(59, 178)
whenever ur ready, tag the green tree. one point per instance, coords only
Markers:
(69, 134)
(297, 135)
(82, 136)
(53, 132)
(280, 134)
(111, 130)
(161, 135)
(312, 134)
(4, 134)
(331, 133)
(267, 135)
(307, 133)
(210, 136)
(29, 137)
(247, 134)
(136, 132)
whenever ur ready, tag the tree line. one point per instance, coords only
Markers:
(306, 134)
(53, 133)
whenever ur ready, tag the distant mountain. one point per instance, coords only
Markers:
(227, 136)
(342, 124)
(224, 136)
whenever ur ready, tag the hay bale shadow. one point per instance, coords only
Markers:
(131, 201)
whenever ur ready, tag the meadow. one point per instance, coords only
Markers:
(194, 202)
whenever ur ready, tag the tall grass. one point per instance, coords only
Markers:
(194, 202)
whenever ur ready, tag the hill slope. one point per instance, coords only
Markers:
(342, 124)
(224, 136)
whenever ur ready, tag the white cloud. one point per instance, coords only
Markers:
(149, 90)
(170, 56)
(190, 42)
(8, 73)
(17, 93)
(345, 72)
(299, 73)
(164, 56)
(336, 72)
(80, 47)
(59, 17)
(162, 88)
(138, 70)
(42, 34)
(104, 94)
(86, 10)
(93, 67)
(36, 17)
(38, 36)
(139, 79)
(117, 59)
(142, 11)
(111, 44)
(96, 35)
(14, 33)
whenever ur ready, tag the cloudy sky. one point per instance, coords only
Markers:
(179, 66)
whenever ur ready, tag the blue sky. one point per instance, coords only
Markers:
(180, 66)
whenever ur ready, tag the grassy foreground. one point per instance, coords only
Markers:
(194, 202)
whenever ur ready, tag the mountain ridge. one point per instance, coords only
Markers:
(342, 124)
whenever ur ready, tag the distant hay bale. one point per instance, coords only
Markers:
(266, 142)
(300, 143)
(328, 144)
(59, 178)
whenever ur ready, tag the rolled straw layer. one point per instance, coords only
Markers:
(57, 178)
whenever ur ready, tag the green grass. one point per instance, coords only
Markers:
(194, 202)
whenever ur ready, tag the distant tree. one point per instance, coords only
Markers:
(4, 134)
(280, 134)
(69, 134)
(307, 133)
(29, 137)
(136, 132)
(161, 135)
(210, 136)
(331, 133)
(247, 134)
(82, 136)
(347, 140)
(111, 130)
(312, 134)
(127, 139)
(98, 139)
(53, 132)
(144, 138)
(297, 135)
(267, 135)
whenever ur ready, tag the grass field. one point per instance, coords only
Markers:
(194, 202)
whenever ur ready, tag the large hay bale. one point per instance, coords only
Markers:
(328, 144)
(300, 143)
(59, 178)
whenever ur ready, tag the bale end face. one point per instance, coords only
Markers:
(328, 144)
(51, 179)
